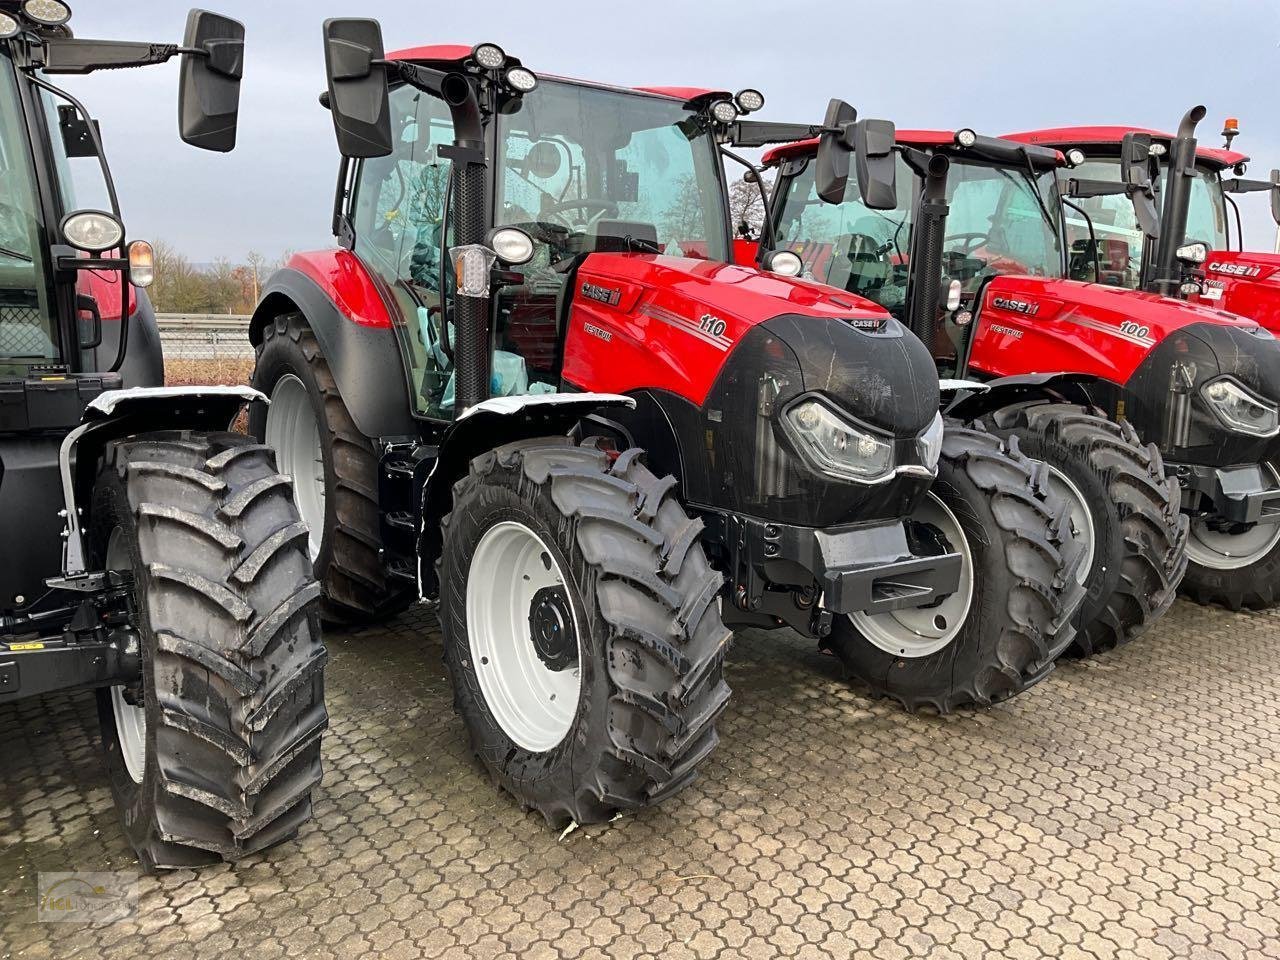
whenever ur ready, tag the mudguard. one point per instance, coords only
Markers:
(360, 350)
(118, 413)
(1077, 388)
(486, 426)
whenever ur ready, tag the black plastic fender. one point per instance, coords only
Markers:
(119, 413)
(487, 425)
(992, 395)
(365, 361)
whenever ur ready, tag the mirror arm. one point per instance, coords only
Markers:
(1083, 189)
(762, 133)
(1240, 185)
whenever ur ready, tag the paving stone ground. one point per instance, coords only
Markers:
(1128, 807)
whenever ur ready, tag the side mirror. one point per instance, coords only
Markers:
(1135, 158)
(1135, 171)
(1275, 195)
(877, 167)
(358, 88)
(832, 172)
(209, 82)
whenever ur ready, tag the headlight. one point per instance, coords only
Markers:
(1194, 252)
(930, 443)
(9, 27)
(836, 447)
(1240, 409)
(92, 230)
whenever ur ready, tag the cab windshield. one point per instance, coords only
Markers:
(26, 314)
(1001, 222)
(585, 168)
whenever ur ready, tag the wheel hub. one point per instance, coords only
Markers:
(523, 636)
(551, 627)
(1234, 548)
(923, 631)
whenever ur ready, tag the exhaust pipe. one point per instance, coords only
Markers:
(1166, 273)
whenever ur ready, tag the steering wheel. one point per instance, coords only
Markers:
(601, 207)
(971, 240)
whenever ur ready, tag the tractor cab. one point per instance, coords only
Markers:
(1209, 262)
(577, 169)
(1004, 219)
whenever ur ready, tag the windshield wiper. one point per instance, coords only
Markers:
(16, 255)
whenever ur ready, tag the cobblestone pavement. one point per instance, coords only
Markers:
(1128, 807)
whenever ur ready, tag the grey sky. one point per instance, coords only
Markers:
(989, 64)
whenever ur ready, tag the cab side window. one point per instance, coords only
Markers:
(398, 213)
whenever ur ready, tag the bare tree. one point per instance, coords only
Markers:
(746, 208)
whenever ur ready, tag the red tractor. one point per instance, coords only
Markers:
(971, 253)
(1196, 215)
(530, 387)
(1235, 555)
(150, 554)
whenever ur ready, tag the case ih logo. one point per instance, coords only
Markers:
(606, 295)
(1235, 269)
(866, 323)
(1026, 307)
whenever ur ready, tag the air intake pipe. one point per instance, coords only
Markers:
(926, 252)
(467, 188)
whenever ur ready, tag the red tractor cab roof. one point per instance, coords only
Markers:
(1064, 138)
(922, 139)
(452, 53)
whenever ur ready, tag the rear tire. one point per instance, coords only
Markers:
(232, 684)
(348, 560)
(1140, 534)
(1250, 578)
(641, 599)
(1024, 581)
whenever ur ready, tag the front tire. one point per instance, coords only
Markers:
(1019, 593)
(1238, 570)
(1138, 533)
(335, 468)
(214, 754)
(603, 597)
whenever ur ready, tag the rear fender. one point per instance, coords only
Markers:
(352, 325)
(119, 413)
(971, 403)
(486, 426)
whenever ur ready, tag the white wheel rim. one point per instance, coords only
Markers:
(923, 631)
(1232, 551)
(1078, 515)
(293, 433)
(131, 721)
(533, 702)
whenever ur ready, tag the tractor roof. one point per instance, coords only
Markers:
(446, 53)
(1067, 137)
(924, 139)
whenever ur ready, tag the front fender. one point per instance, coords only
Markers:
(361, 349)
(119, 413)
(1077, 388)
(486, 426)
